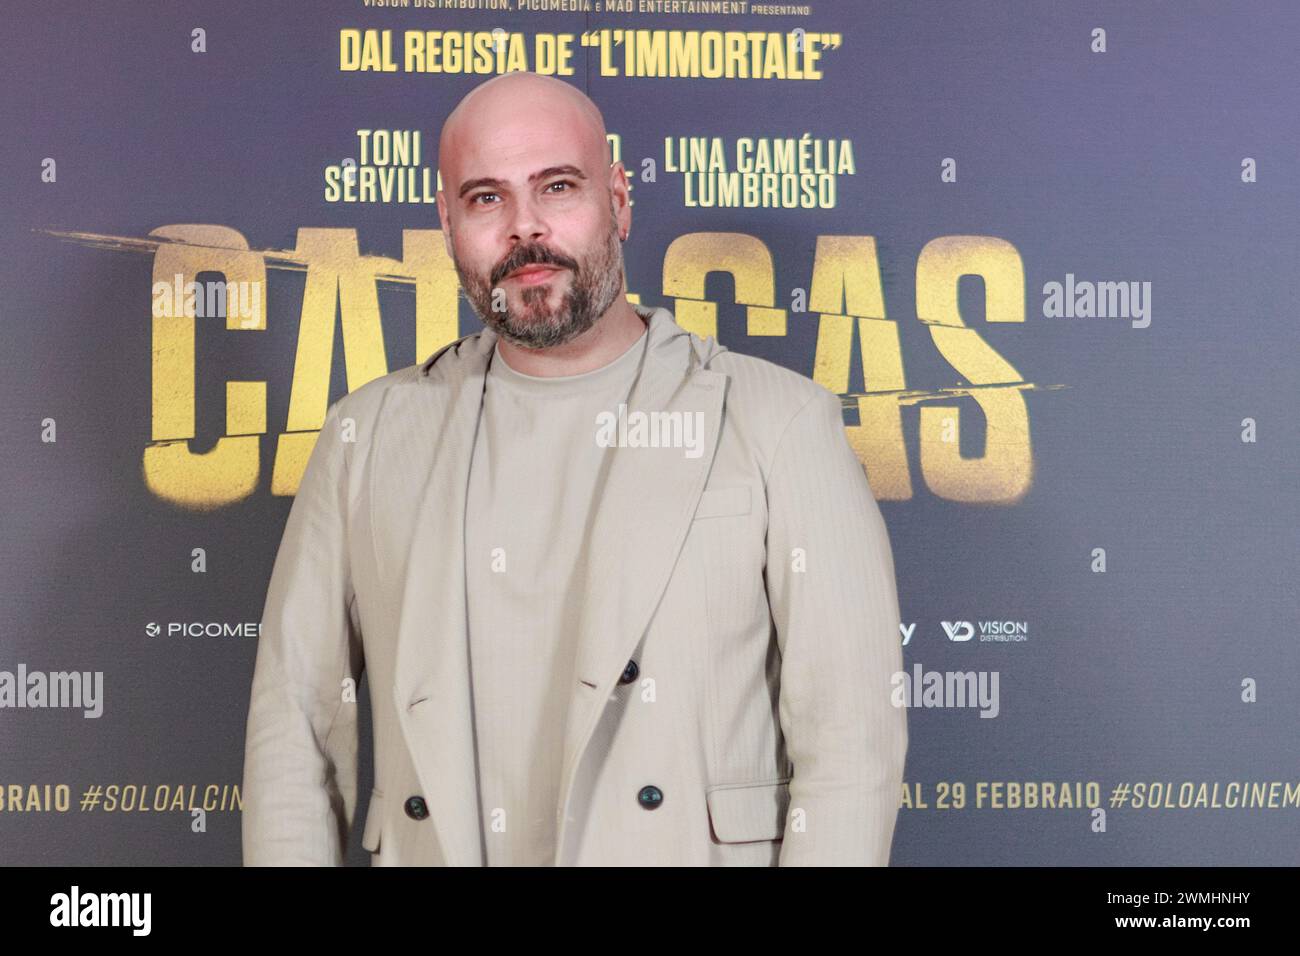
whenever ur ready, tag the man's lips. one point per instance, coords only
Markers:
(534, 274)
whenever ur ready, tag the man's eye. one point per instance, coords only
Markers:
(476, 199)
(560, 182)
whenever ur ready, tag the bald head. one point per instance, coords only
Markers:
(513, 109)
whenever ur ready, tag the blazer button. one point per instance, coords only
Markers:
(416, 809)
(650, 797)
(629, 673)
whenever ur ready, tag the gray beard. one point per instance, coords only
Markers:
(594, 287)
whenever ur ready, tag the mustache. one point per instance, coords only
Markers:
(531, 255)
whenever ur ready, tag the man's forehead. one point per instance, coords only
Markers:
(522, 160)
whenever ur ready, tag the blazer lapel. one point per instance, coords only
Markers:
(638, 529)
(432, 434)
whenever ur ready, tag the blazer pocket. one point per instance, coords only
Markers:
(374, 822)
(746, 812)
(718, 502)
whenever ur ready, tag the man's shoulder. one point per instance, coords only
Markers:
(367, 399)
(768, 402)
(364, 402)
(764, 390)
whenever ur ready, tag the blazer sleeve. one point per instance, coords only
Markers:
(300, 753)
(834, 602)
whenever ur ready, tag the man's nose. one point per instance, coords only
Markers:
(528, 222)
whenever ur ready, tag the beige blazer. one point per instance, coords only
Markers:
(751, 585)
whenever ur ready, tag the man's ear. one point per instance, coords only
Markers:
(445, 222)
(618, 192)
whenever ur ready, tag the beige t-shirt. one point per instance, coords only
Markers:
(535, 475)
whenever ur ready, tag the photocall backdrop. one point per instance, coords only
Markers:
(1046, 254)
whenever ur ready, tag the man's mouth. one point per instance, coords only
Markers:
(534, 274)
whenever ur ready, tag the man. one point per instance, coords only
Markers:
(623, 597)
